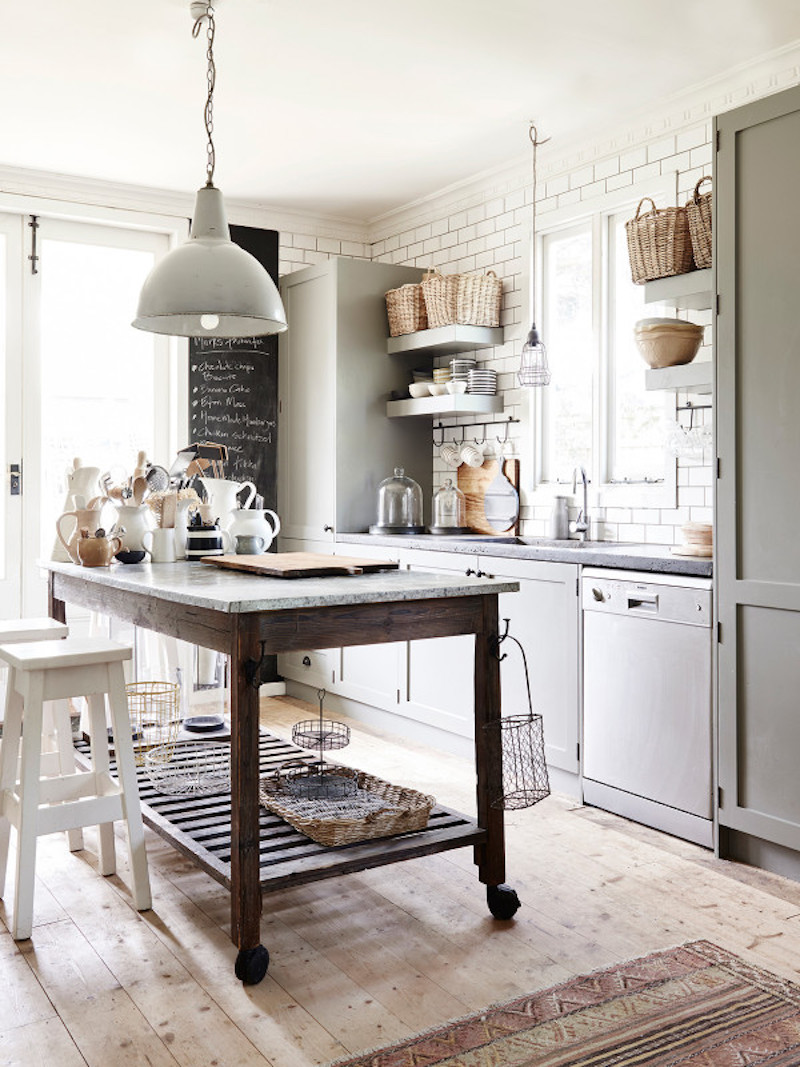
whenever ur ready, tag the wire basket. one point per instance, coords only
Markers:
(154, 709)
(525, 778)
(190, 768)
(321, 734)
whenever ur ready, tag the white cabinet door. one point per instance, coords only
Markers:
(307, 411)
(544, 616)
(370, 674)
(439, 675)
(310, 666)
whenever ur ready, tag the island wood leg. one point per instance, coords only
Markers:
(490, 856)
(253, 959)
(56, 608)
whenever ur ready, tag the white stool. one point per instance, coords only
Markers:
(57, 725)
(34, 805)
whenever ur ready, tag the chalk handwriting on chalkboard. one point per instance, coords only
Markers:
(233, 401)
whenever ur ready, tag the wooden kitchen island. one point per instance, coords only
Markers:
(251, 617)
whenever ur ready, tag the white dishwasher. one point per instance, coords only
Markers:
(647, 701)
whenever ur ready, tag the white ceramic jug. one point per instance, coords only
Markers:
(134, 519)
(83, 484)
(84, 519)
(221, 495)
(254, 521)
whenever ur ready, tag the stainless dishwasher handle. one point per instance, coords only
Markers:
(643, 603)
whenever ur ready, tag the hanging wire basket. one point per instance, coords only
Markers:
(154, 709)
(319, 780)
(525, 779)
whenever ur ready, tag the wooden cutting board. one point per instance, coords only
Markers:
(299, 564)
(473, 483)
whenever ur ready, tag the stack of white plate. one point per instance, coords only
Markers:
(461, 367)
(482, 382)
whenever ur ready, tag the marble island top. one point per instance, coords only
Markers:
(203, 585)
(655, 558)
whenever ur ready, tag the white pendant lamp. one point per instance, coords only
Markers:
(533, 367)
(209, 286)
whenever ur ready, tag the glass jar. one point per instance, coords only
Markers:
(399, 505)
(449, 507)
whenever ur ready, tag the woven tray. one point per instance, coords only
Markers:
(402, 810)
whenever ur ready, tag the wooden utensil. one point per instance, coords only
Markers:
(140, 489)
(299, 564)
(169, 510)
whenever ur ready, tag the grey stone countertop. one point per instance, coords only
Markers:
(655, 558)
(203, 585)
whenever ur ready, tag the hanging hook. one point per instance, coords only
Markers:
(496, 641)
(505, 439)
(483, 439)
(463, 436)
(440, 442)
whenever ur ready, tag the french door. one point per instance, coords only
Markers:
(79, 381)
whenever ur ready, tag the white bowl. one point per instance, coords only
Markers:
(419, 389)
(456, 387)
(436, 389)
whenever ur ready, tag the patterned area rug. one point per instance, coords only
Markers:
(697, 1005)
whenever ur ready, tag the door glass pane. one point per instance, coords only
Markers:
(98, 378)
(638, 418)
(567, 322)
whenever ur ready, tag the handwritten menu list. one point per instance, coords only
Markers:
(233, 388)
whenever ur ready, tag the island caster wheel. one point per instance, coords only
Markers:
(251, 965)
(503, 901)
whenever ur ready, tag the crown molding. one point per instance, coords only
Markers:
(87, 192)
(770, 73)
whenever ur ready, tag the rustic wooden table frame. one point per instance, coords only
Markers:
(245, 636)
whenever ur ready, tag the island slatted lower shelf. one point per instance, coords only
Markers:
(200, 828)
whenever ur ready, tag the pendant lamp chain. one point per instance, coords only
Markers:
(533, 370)
(211, 78)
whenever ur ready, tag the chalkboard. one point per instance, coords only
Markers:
(233, 388)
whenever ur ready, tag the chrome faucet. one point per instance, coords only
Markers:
(581, 525)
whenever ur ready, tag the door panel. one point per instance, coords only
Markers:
(10, 407)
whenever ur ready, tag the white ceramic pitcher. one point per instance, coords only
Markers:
(256, 522)
(222, 496)
(134, 519)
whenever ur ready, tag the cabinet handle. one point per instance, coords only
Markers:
(306, 661)
(479, 573)
(327, 529)
(469, 571)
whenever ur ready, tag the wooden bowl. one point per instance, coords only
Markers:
(665, 346)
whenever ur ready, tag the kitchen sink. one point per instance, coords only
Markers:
(539, 542)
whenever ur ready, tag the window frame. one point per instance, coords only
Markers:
(596, 213)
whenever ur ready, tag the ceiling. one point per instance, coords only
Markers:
(350, 108)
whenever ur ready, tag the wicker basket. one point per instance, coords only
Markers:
(698, 211)
(400, 811)
(659, 244)
(478, 299)
(406, 310)
(441, 297)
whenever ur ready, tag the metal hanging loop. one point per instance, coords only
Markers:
(440, 442)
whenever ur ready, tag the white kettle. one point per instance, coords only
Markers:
(256, 522)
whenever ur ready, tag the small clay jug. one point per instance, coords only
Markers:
(97, 550)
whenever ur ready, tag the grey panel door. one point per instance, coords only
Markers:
(757, 567)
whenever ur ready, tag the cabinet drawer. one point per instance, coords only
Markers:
(314, 667)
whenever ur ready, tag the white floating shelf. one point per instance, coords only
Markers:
(691, 378)
(690, 292)
(446, 340)
(447, 406)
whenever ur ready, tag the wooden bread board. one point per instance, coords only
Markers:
(704, 551)
(473, 483)
(299, 564)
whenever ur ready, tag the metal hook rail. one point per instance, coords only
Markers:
(441, 427)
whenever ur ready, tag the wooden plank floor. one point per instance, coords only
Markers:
(367, 958)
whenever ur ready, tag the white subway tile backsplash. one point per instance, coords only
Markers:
(581, 177)
(605, 168)
(661, 149)
(635, 157)
(619, 181)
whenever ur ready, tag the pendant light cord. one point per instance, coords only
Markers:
(211, 78)
(534, 139)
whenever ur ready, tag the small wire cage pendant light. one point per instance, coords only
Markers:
(533, 368)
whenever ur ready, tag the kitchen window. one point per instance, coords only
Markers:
(596, 412)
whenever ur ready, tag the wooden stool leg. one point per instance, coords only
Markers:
(126, 774)
(66, 759)
(9, 762)
(22, 921)
(100, 765)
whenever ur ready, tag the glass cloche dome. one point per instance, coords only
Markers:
(399, 505)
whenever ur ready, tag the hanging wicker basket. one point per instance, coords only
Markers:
(659, 243)
(478, 299)
(441, 298)
(405, 308)
(698, 211)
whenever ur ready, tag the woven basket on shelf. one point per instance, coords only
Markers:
(659, 244)
(441, 297)
(698, 211)
(478, 299)
(406, 310)
(400, 810)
